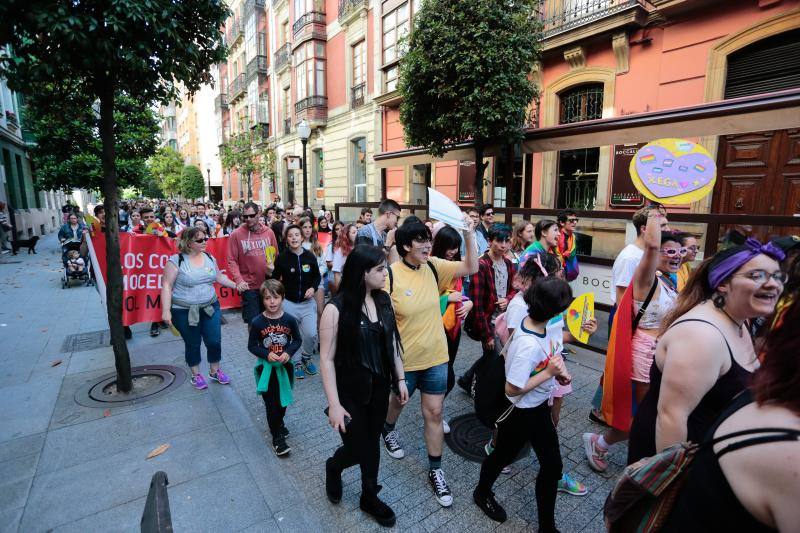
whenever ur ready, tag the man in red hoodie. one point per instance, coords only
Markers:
(251, 258)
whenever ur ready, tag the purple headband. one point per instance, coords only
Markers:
(751, 248)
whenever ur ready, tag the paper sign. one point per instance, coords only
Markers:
(673, 171)
(442, 208)
(269, 253)
(578, 312)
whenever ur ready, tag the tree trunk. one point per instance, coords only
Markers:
(122, 359)
(479, 169)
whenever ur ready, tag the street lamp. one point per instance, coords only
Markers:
(208, 173)
(304, 131)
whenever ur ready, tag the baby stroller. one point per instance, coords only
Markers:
(83, 275)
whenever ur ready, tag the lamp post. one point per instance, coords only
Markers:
(304, 131)
(208, 173)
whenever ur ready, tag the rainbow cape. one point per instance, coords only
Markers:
(568, 254)
(617, 406)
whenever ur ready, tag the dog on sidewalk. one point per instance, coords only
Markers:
(30, 244)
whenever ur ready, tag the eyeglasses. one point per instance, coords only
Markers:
(489, 214)
(672, 252)
(200, 241)
(245, 216)
(573, 220)
(762, 276)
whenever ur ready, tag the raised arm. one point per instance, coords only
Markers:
(469, 264)
(692, 366)
(646, 271)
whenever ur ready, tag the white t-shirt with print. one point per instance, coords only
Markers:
(526, 351)
(624, 267)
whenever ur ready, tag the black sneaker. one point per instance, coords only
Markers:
(163, 325)
(154, 331)
(465, 384)
(489, 506)
(440, 489)
(280, 446)
(391, 442)
(283, 431)
(333, 482)
(377, 509)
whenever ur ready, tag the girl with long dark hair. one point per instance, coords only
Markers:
(358, 371)
(446, 245)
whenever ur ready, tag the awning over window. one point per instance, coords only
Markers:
(770, 111)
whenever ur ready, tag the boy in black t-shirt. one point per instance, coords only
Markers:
(274, 338)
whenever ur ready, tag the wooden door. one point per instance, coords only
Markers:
(786, 190)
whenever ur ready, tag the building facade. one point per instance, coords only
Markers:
(334, 64)
(611, 58)
(31, 210)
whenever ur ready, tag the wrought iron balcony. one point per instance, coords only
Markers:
(257, 65)
(283, 57)
(239, 87)
(311, 101)
(221, 101)
(234, 32)
(357, 95)
(310, 17)
(287, 126)
(250, 5)
(350, 8)
(563, 15)
(261, 115)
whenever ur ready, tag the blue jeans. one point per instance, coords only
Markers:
(431, 380)
(209, 330)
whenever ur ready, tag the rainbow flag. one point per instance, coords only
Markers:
(567, 253)
(617, 406)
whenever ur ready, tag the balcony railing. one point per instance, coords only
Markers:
(283, 57)
(563, 15)
(239, 87)
(235, 31)
(351, 7)
(250, 5)
(261, 116)
(357, 95)
(257, 65)
(311, 101)
(221, 101)
(287, 126)
(310, 17)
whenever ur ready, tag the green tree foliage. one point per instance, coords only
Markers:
(166, 166)
(241, 154)
(142, 48)
(192, 183)
(68, 148)
(466, 75)
(151, 189)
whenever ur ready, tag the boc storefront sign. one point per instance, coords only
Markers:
(596, 279)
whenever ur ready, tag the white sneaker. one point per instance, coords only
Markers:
(445, 427)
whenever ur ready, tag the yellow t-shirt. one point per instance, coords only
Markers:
(416, 304)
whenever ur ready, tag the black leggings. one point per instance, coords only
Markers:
(452, 350)
(272, 401)
(533, 425)
(360, 443)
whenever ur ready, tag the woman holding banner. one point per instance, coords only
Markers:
(189, 302)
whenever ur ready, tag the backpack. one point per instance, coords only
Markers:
(433, 269)
(180, 259)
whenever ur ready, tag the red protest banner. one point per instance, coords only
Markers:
(143, 258)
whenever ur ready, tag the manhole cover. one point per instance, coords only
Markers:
(148, 382)
(81, 342)
(468, 437)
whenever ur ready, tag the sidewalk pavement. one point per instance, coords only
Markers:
(67, 467)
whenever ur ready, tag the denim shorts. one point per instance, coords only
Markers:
(432, 380)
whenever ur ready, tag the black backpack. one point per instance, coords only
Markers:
(433, 269)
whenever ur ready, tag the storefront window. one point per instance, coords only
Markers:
(578, 169)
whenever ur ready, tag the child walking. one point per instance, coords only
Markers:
(274, 338)
(532, 368)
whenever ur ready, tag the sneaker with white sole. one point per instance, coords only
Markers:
(598, 458)
(391, 441)
(445, 427)
(572, 486)
(440, 489)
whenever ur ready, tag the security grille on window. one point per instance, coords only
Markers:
(581, 103)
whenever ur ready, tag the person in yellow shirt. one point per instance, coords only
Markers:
(689, 242)
(414, 284)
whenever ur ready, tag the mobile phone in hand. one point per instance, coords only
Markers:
(347, 419)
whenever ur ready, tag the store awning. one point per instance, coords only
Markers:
(769, 111)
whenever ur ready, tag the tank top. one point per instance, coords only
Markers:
(707, 501)
(656, 310)
(642, 441)
(372, 345)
